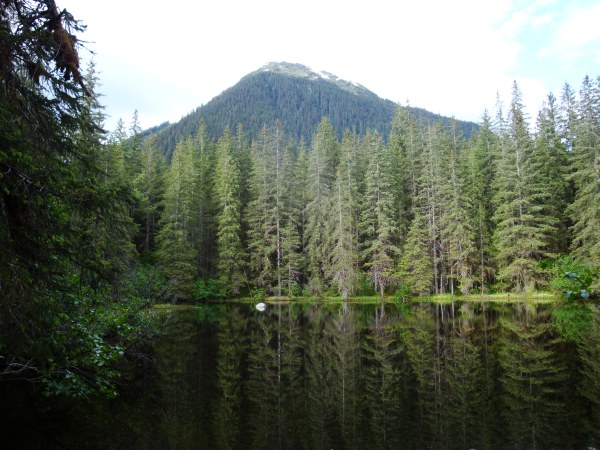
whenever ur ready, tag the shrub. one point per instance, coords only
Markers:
(258, 294)
(403, 292)
(207, 290)
(572, 279)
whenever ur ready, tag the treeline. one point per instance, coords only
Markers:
(427, 212)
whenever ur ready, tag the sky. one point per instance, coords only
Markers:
(165, 58)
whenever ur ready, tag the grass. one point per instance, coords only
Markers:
(536, 297)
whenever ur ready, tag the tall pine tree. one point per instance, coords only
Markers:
(522, 234)
(175, 253)
(585, 210)
(378, 221)
(231, 256)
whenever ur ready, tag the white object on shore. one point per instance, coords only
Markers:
(261, 306)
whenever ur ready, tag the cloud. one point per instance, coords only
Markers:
(449, 57)
(577, 36)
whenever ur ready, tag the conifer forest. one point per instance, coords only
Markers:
(97, 226)
(424, 209)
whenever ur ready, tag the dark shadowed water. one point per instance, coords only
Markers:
(418, 376)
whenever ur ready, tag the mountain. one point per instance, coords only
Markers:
(297, 96)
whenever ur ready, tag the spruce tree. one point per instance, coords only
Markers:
(415, 267)
(175, 253)
(231, 257)
(378, 222)
(323, 161)
(430, 188)
(292, 212)
(522, 234)
(403, 145)
(149, 189)
(342, 268)
(204, 206)
(266, 209)
(456, 227)
(585, 210)
(301, 195)
(481, 154)
(551, 165)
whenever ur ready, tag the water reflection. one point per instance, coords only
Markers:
(416, 376)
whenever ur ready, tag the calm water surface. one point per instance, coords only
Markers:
(418, 376)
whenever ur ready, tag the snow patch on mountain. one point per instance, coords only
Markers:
(302, 71)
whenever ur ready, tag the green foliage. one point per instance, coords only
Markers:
(378, 223)
(352, 217)
(207, 289)
(403, 292)
(572, 279)
(425, 209)
(90, 334)
(342, 229)
(65, 227)
(573, 321)
(209, 313)
(257, 294)
(524, 224)
(227, 190)
(295, 290)
(147, 282)
(365, 286)
(585, 208)
(415, 268)
(175, 253)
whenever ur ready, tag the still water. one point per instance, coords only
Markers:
(415, 376)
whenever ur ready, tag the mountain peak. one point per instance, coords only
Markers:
(302, 71)
(286, 68)
(299, 97)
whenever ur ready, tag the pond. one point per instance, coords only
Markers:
(312, 376)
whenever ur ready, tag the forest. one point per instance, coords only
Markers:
(426, 212)
(96, 226)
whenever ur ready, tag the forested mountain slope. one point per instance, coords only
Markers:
(298, 97)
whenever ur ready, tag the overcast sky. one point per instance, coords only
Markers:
(165, 58)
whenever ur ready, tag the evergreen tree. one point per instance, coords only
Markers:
(301, 194)
(585, 210)
(430, 185)
(522, 234)
(551, 165)
(108, 239)
(403, 145)
(266, 209)
(323, 161)
(344, 217)
(415, 267)
(378, 222)
(133, 145)
(293, 210)
(481, 155)
(456, 227)
(567, 120)
(175, 253)
(231, 257)
(57, 262)
(204, 206)
(342, 269)
(149, 187)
